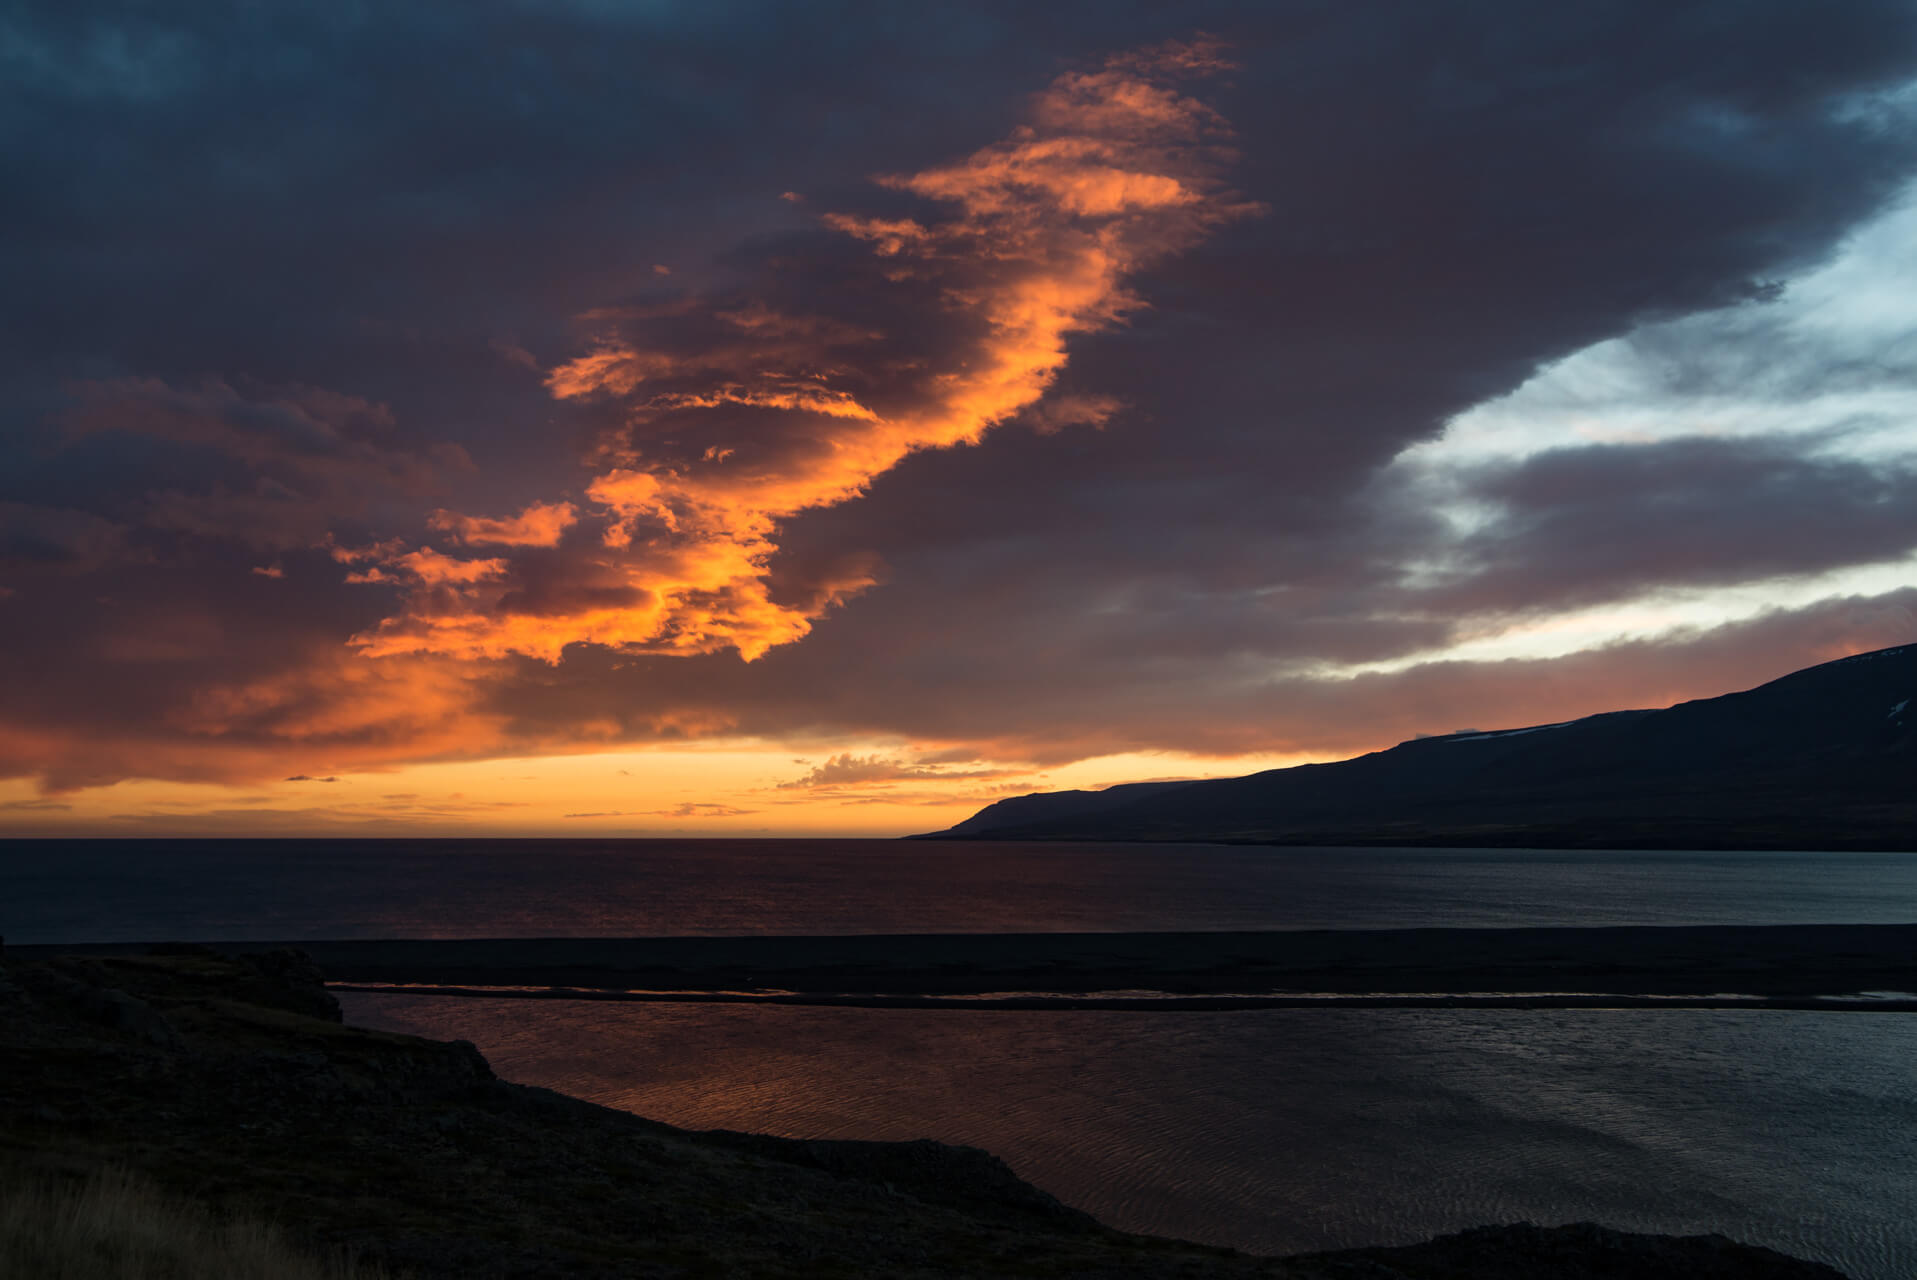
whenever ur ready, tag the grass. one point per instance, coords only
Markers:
(113, 1226)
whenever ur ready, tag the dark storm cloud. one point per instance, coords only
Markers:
(55, 539)
(272, 276)
(1581, 526)
(276, 470)
(1035, 711)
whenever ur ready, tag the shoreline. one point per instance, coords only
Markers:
(1745, 966)
(174, 1064)
(1158, 1004)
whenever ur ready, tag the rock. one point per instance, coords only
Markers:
(295, 983)
(444, 1064)
(12, 994)
(122, 1012)
(103, 1006)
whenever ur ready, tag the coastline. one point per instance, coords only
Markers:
(1783, 966)
(1873, 1002)
(233, 1081)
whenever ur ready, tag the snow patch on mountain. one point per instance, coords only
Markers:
(1506, 733)
(1871, 657)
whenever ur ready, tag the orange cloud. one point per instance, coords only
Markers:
(696, 809)
(331, 711)
(607, 369)
(850, 770)
(736, 417)
(539, 525)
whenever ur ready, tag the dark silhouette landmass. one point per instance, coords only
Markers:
(1824, 758)
(232, 1082)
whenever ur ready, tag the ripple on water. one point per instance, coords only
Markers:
(1282, 1131)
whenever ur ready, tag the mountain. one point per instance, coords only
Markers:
(1056, 806)
(1823, 758)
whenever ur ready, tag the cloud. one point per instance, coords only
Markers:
(1228, 709)
(1598, 523)
(1656, 671)
(339, 821)
(738, 414)
(850, 770)
(183, 697)
(272, 469)
(300, 777)
(539, 525)
(688, 810)
(1021, 439)
(38, 539)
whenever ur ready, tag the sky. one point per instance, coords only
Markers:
(736, 419)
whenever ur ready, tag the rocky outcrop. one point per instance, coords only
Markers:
(94, 1002)
(232, 1082)
(281, 978)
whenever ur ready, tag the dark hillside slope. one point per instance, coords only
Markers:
(1050, 806)
(1822, 758)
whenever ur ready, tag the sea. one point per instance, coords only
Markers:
(1272, 1131)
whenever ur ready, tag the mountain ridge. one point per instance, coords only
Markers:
(1823, 757)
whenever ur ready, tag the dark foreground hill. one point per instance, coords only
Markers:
(231, 1082)
(1824, 758)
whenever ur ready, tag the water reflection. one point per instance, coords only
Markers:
(1286, 1131)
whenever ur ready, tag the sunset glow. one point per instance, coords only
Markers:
(1051, 413)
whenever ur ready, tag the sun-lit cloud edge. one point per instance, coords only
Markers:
(1768, 370)
(1864, 421)
(1022, 245)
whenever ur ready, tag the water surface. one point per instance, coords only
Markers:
(1284, 1131)
(127, 891)
(1274, 1131)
